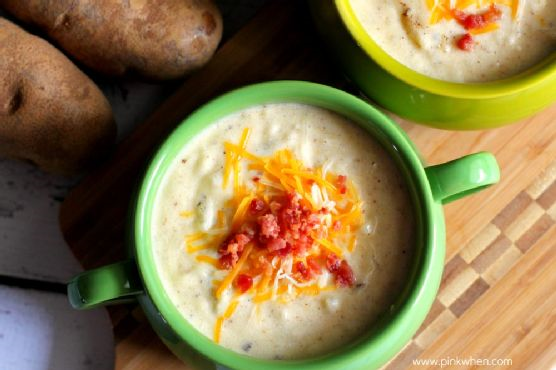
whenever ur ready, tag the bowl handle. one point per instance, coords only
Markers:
(111, 284)
(463, 176)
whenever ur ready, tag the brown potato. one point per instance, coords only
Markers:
(155, 39)
(51, 113)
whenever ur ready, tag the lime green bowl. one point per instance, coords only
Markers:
(138, 279)
(409, 94)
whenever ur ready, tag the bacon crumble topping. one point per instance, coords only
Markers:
(473, 23)
(290, 231)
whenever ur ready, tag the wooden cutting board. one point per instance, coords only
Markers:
(498, 295)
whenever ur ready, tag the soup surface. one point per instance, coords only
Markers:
(462, 40)
(242, 272)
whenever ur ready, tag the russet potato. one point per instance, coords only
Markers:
(51, 113)
(154, 39)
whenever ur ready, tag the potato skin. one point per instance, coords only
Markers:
(51, 113)
(155, 39)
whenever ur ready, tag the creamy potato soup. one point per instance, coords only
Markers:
(462, 40)
(283, 231)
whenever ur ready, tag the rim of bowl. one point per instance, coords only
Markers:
(534, 75)
(420, 289)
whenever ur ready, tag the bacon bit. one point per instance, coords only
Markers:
(302, 245)
(256, 206)
(465, 42)
(344, 275)
(476, 21)
(231, 249)
(269, 226)
(341, 184)
(341, 270)
(256, 179)
(277, 244)
(301, 271)
(244, 282)
(313, 265)
(247, 230)
(225, 262)
(492, 15)
(337, 225)
(275, 207)
(332, 263)
(282, 252)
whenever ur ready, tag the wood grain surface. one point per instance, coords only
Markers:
(498, 295)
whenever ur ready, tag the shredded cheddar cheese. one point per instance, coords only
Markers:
(286, 227)
(194, 237)
(473, 23)
(330, 246)
(220, 219)
(352, 243)
(515, 8)
(207, 259)
(445, 8)
(488, 28)
(239, 216)
(196, 248)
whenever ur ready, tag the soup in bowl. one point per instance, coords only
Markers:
(294, 234)
(286, 225)
(462, 41)
(449, 64)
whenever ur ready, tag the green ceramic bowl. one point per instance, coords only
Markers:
(138, 279)
(433, 102)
